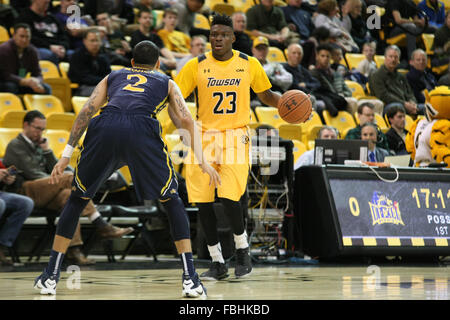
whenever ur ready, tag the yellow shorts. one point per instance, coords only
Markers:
(228, 153)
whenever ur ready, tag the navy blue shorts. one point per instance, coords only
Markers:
(115, 139)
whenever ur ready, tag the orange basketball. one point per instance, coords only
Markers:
(294, 106)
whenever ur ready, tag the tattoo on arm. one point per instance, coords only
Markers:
(83, 119)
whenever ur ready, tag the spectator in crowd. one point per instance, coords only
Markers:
(365, 114)
(368, 66)
(267, 20)
(16, 207)
(435, 11)
(34, 160)
(354, 23)
(441, 43)
(198, 47)
(307, 158)
(118, 9)
(391, 87)
(336, 58)
(369, 133)
(20, 58)
(176, 41)
(280, 79)
(47, 34)
(301, 77)
(333, 90)
(403, 15)
(298, 20)
(397, 133)
(113, 41)
(167, 60)
(76, 27)
(418, 76)
(327, 17)
(88, 66)
(186, 16)
(319, 36)
(243, 43)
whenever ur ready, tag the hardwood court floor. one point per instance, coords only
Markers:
(267, 282)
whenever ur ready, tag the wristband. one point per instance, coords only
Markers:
(68, 150)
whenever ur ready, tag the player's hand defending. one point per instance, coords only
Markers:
(58, 170)
(214, 177)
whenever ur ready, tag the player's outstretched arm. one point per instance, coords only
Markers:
(94, 103)
(269, 97)
(181, 117)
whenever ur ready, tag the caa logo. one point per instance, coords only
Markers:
(240, 70)
(384, 210)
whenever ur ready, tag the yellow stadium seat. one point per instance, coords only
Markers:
(269, 115)
(49, 69)
(311, 135)
(357, 90)
(342, 120)
(8, 102)
(125, 171)
(13, 119)
(78, 103)
(379, 60)
(408, 121)
(46, 104)
(275, 55)
(253, 118)
(201, 21)
(4, 35)
(290, 131)
(61, 121)
(379, 120)
(312, 122)
(6, 135)
(224, 8)
(242, 5)
(353, 59)
(159, 17)
(428, 40)
(64, 69)
(208, 46)
(298, 150)
(57, 140)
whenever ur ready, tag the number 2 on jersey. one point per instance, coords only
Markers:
(218, 109)
(135, 86)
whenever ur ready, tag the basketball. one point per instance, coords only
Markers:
(294, 106)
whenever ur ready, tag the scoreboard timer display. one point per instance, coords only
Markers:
(347, 210)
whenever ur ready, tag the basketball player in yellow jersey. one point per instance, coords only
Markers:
(222, 80)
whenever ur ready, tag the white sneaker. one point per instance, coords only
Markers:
(46, 284)
(193, 288)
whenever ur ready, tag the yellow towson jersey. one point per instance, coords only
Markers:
(222, 88)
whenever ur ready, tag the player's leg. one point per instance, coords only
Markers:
(91, 171)
(179, 228)
(236, 175)
(67, 224)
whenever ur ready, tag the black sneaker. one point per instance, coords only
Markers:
(217, 271)
(243, 263)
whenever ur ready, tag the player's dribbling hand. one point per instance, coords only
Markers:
(58, 170)
(214, 177)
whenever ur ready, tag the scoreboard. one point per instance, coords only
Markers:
(344, 210)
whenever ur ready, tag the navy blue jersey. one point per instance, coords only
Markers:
(127, 133)
(135, 89)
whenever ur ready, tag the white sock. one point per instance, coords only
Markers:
(94, 216)
(241, 241)
(215, 252)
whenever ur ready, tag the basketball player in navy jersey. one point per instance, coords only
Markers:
(127, 133)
